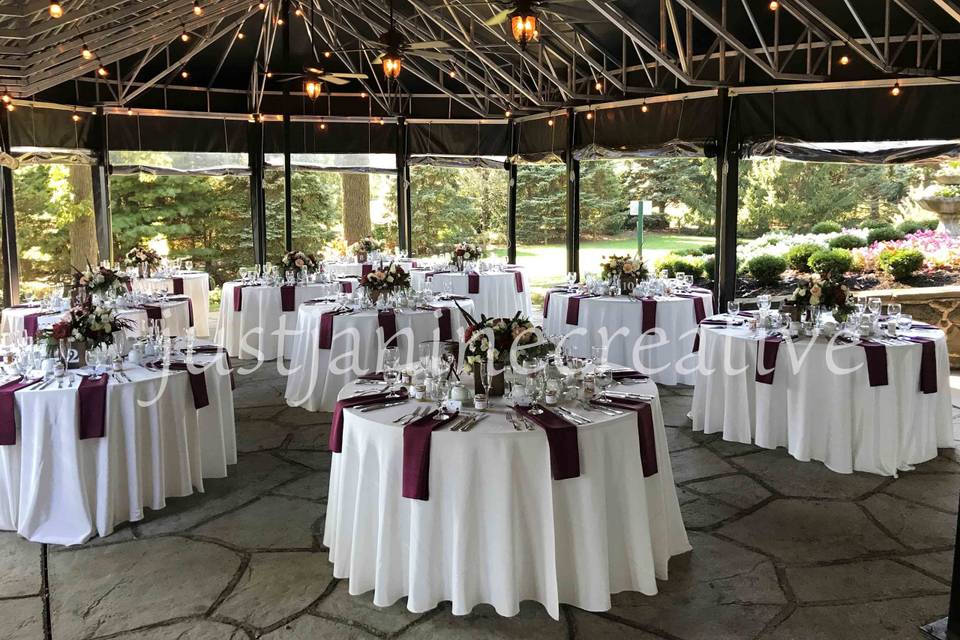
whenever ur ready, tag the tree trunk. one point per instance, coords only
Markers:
(356, 206)
(83, 230)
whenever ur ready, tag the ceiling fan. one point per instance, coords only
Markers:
(394, 47)
(313, 77)
(524, 14)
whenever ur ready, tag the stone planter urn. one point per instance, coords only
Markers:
(947, 207)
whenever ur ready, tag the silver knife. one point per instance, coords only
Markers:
(473, 423)
(382, 405)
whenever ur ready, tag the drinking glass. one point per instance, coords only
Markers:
(188, 265)
(599, 356)
(391, 369)
(733, 308)
(532, 388)
(440, 389)
(874, 305)
(763, 302)
(602, 379)
(859, 306)
(94, 358)
(904, 322)
(571, 278)
(893, 309)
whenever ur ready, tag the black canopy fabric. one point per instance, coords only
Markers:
(163, 133)
(40, 127)
(457, 139)
(337, 137)
(542, 139)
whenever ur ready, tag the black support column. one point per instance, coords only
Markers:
(512, 196)
(728, 173)
(573, 199)
(404, 214)
(8, 241)
(287, 170)
(258, 208)
(100, 174)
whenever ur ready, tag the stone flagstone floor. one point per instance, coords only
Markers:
(781, 550)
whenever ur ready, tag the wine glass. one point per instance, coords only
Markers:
(893, 310)
(763, 302)
(602, 379)
(439, 393)
(94, 358)
(532, 388)
(188, 265)
(571, 279)
(391, 369)
(733, 308)
(599, 356)
(874, 305)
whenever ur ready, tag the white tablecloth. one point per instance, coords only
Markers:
(355, 269)
(817, 414)
(498, 297)
(176, 318)
(58, 489)
(255, 331)
(665, 354)
(196, 286)
(497, 528)
(317, 375)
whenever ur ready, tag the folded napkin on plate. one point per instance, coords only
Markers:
(876, 354)
(288, 297)
(177, 286)
(562, 441)
(93, 406)
(198, 383)
(336, 423)
(629, 374)
(346, 286)
(573, 307)
(473, 282)
(8, 409)
(416, 454)
(767, 350)
(645, 431)
(648, 309)
(546, 298)
(388, 322)
(928, 363)
(444, 321)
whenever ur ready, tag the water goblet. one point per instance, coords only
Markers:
(874, 305)
(733, 308)
(893, 309)
(763, 302)
(603, 379)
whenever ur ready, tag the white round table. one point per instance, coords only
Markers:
(59, 489)
(497, 528)
(193, 284)
(174, 314)
(619, 322)
(253, 323)
(820, 404)
(317, 374)
(499, 294)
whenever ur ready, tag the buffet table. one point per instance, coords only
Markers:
(193, 284)
(253, 316)
(355, 340)
(175, 316)
(495, 294)
(61, 485)
(654, 335)
(495, 526)
(833, 406)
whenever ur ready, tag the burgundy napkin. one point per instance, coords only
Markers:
(473, 283)
(518, 280)
(444, 322)
(928, 363)
(388, 322)
(648, 309)
(346, 286)
(189, 309)
(452, 296)
(629, 374)
(288, 297)
(720, 323)
(767, 351)
(154, 312)
(93, 406)
(876, 362)
(698, 310)
(336, 423)
(648, 441)
(371, 376)
(8, 409)
(198, 384)
(25, 305)
(365, 269)
(413, 264)
(573, 307)
(416, 455)
(212, 348)
(326, 328)
(177, 286)
(546, 298)
(30, 323)
(562, 441)
(238, 297)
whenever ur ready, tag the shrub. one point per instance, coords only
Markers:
(900, 263)
(656, 222)
(873, 223)
(846, 241)
(912, 226)
(826, 227)
(831, 262)
(883, 234)
(798, 256)
(766, 269)
(675, 264)
(692, 251)
(708, 249)
(710, 268)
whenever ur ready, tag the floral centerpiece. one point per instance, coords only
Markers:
(363, 247)
(299, 262)
(464, 252)
(143, 258)
(385, 280)
(812, 291)
(491, 341)
(85, 326)
(627, 269)
(101, 281)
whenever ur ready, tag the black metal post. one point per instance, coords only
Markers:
(100, 174)
(573, 198)
(728, 173)
(258, 209)
(287, 169)
(512, 196)
(949, 628)
(404, 214)
(8, 224)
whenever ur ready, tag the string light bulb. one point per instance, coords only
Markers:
(550, 122)
(102, 71)
(589, 115)
(75, 117)
(507, 113)
(269, 74)
(6, 98)
(644, 108)
(326, 54)
(10, 107)
(598, 86)
(184, 74)
(323, 126)
(185, 36)
(298, 12)
(56, 10)
(363, 94)
(262, 6)
(279, 21)
(774, 5)
(452, 73)
(844, 60)
(129, 111)
(896, 89)
(85, 52)
(240, 35)
(197, 9)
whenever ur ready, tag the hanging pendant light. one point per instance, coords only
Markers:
(523, 24)
(56, 11)
(391, 64)
(312, 88)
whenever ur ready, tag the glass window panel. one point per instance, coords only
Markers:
(542, 225)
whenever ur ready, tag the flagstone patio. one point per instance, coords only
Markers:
(781, 550)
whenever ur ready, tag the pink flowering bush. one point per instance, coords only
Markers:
(940, 250)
